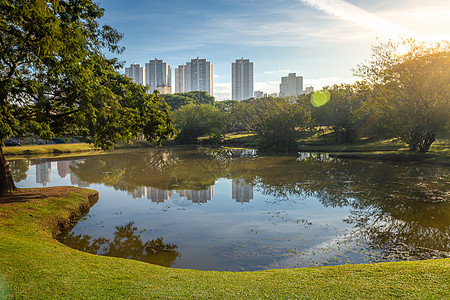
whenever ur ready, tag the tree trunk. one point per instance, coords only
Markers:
(424, 146)
(6, 181)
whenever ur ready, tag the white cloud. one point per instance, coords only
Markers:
(222, 90)
(278, 71)
(268, 86)
(358, 16)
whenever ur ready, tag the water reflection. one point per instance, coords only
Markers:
(292, 206)
(63, 167)
(127, 243)
(242, 191)
(44, 173)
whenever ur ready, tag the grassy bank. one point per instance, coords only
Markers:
(387, 149)
(378, 149)
(48, 149)
(35, 266)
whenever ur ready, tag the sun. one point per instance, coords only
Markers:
(402, 50)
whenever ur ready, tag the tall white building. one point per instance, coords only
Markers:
(242, 81)
(158, 74)
(199, 75)
(136, 73)
(291, 85)
(180, 79)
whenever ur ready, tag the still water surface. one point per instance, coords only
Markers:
(236, 210)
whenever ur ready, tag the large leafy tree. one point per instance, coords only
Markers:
(55, 79)
(278, 122)
(196, 120)
(410, 90)
(341, 111)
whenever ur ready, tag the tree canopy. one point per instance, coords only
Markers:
(340, 112)
(176, 101)
(409, 91)
(196, 120)
(278, 122)
(55, 78)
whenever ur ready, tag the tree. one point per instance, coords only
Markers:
(236, 114)
(340, 112)
(278, 122)
(178, 100)
(55, 79)
(196, 120)
(409, 91)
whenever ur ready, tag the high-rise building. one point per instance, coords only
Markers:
(136, 73)
(258, 94)
(291, 85)
(308, 90)
(242, 81)
(158, 74)
(198, 76)
(180, 79)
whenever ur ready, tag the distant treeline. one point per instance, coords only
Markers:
(403, 96)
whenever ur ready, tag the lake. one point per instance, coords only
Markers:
(238, 210)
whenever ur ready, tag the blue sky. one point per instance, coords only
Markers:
(321, 40)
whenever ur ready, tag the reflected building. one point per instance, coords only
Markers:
(157, 195)
(242, 191)
(74, 180)
(242, 152)
(139, 192)
(63, 168)
(197, 196)
(44, 173)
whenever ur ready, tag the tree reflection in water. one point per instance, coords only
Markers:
(391, 204)
(126, 244)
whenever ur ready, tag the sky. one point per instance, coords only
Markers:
(321, 40)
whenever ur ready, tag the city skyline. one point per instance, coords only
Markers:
(321, 40)
(157, 75)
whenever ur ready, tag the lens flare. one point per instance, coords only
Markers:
(320, 98)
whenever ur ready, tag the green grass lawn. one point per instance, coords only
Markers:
(48, 149)
(33, 265)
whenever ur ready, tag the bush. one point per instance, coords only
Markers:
(196, 120)
(278, 122)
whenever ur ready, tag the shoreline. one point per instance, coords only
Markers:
(33, 264)
(335, 151)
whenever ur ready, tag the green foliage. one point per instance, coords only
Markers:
(340, 112)
(196, 120)
(278, 122)
(33, 265)
(55, 80)
(236, 114)
(409, 92)
(178, 100)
